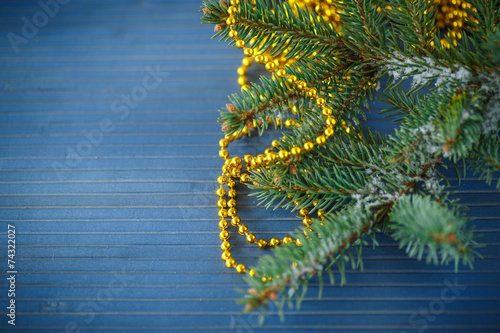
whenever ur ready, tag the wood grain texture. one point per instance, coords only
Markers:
(113, 204)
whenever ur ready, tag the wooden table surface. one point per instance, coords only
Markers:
(108, 160)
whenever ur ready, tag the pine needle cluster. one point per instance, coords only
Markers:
(442, 92)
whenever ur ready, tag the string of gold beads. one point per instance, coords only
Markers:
(233, 167)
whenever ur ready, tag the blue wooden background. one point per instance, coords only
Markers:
(113, 203)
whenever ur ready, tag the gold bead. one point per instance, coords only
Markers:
(298, 242)
(230, 263)
(224, 235)
(235, 161)
(223, 143)
(226, 255)
(270, 66)
(320, 101)
(307, 221)
(330, 122)
(326, 111)
(226, 246)
(252, 273)
(264, 280)
(221, 180)
(231, 183)
(312, 92)
(242, 80)
(232, 212)
(296, 202)
(223, 153)
(287, 239)
(296, 151)
(235, 2)
(275, 143)
(240, 43)
(245, 178)
(321, 213)
(248, 51)
(283, 154)
(270, 157)
(220, 192)
(236, 221)
(248, 159)
(241, 268)
(261, 243)
(230, 21)
(301, 85)
(268, 150)
(242, 71)
(308, 146)
(329, 132)
(281, 73)
(321, 140)
(231, 193)
(221, 203)
(260, 160)
(223, 224)
(259, 59)
(231, 203)
(247, 62)
(233, 34)
(222, 213)
(303, 211)
(292, 79)
(232, 10)
(289, 123)
(251, 238)
(242, 229)
(274, 242)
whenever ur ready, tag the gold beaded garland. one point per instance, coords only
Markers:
(233, 167)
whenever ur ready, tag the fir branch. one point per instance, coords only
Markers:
(414, 22)
(446, 123)
(434, 230)
(365, 26)
(378, 181)
(331, 186)
(292, 267)
(263, 101)
(284, 29)
(486, 160)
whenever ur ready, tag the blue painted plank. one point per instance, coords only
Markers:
(133, 217)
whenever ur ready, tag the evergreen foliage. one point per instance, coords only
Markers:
(364, 181)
